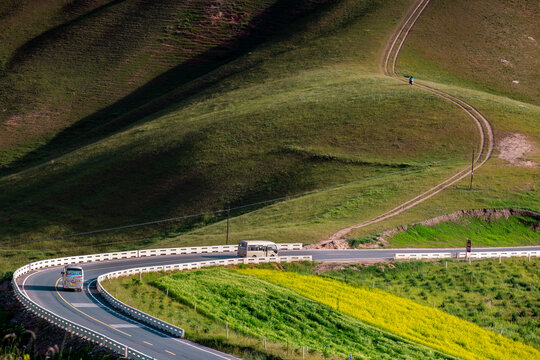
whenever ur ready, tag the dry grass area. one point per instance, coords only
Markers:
(483, 44)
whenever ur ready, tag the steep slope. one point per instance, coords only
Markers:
(304, 110)
(73, 71)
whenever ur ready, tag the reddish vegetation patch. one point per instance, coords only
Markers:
(356, 265)
(14, 120)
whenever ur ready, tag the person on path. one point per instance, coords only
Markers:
(411, 80)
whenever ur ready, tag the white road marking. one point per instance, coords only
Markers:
(117, 313)
(154, 330)
(120, 326)
(201, 349)
(85, 305)
(24, 282)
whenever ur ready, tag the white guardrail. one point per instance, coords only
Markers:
(498, 254)
(462, 255)
(163, 325)
(95, 336)
(421, 256)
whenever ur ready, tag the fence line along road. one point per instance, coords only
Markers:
(94, 336)
(422, 256)
(163, 325)
(463, 255)
(497, 254)
(69, 326)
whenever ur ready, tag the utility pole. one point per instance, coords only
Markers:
(228, 215)
(472, 169)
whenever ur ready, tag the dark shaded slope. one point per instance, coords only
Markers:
(85, 75)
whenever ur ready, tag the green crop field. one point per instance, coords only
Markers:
(255, 309)
(496, 296)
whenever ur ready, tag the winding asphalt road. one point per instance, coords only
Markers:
(87, 308)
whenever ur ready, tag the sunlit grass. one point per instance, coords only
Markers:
(406, 318)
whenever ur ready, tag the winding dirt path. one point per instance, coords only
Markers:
(388, 66)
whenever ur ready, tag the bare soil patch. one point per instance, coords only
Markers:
(512, 149)
(330, 244)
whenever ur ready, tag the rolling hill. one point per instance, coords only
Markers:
(119, 112)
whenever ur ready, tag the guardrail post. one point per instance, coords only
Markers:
(264, 340)
(85, 333)
(227, 328)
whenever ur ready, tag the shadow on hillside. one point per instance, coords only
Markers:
(33, 45)
(172, 86)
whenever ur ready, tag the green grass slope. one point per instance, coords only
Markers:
(71, 72)
(516, 230)
(305, 109)
(486, 45)
(310, 111)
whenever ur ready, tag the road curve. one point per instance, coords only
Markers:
(87, 308)
(485, 130)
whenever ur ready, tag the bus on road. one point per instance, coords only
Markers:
(257, 248)
(72, 277)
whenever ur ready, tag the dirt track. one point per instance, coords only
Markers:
(388, 66)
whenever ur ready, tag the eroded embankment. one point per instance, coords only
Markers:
(483, 214)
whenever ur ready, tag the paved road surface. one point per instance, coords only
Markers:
(88, 309)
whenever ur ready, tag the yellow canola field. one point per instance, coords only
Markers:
(403, 317)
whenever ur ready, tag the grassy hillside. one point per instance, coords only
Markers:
(254, 309)
(296, 108)
(75, 71)
(309, 112)
(486, 45)
(403, 317)
(494, 296)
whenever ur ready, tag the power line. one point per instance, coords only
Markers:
(281, 198)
